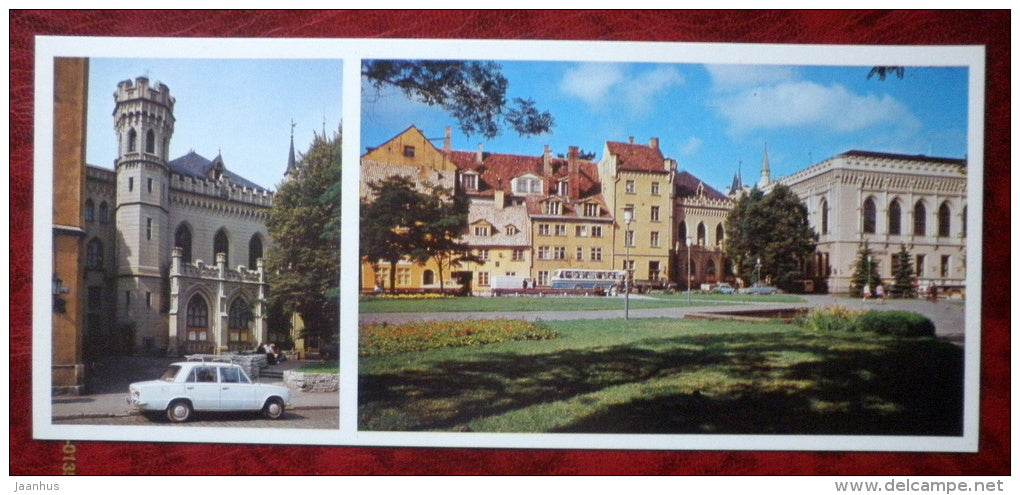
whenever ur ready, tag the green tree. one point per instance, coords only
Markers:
(473, 92)
(402, 219)
(772, 228)
(904, 280)
(303, 263)
(883, 71)
(865, 271)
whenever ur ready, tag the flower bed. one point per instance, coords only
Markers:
(377, 339)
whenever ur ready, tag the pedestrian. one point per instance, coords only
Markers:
(880, 292)
(270, 355)
(866, 292)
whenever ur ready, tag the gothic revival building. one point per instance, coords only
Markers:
(173, 248)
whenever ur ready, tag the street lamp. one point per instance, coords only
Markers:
(688, 271)
(757, 268)
(628, 217)
(868, 285)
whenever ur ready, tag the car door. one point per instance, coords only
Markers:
(203, 388)
(236, 391)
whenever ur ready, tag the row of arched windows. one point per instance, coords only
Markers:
(150, 141)
(894, 218)
(221, 244)
(91, 211)
(869, 214)
(238, 318)
(701, 237)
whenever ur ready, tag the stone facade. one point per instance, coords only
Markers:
(172, 247)
(887, 201)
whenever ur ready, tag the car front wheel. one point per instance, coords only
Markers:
(273, 408)
(179, 411)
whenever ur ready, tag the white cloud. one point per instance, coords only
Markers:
(735, 77)
(691, 146)
(808, 104)
(612, 86)
(591, 82)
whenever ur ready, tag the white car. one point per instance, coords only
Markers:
(190, 386)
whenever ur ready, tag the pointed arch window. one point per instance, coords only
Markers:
(221, 245)
(895, 216)
(104, 212)
(198, 318)
(919, 220)
(701, 233)
(868, 213)
(945, 216)
(90, 211)
(238, 317)
(150, 141)
(719, 234)
(825, 217)
(254, 251)
(132, 140)
(94, 254)
(682, 231)
(182, 239)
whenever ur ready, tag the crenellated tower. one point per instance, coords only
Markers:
(144, 123)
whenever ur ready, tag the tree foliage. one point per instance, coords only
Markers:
(303, 264)
(402, 219)
(904, 280)
(883, 71)
(473, 92)
(865, 272)
(772, 228)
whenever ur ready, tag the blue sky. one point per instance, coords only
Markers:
(241, 109)
(714, 118)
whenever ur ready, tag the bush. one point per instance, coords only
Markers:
(833, 318)
(897, 323)
(378, 339)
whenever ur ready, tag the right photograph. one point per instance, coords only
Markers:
(663, 248)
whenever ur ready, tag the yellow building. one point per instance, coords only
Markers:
(637, 182)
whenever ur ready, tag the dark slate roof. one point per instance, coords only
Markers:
(895, 156)
(195, 165)
(687, 186)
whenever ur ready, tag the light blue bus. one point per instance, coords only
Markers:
(581, 279)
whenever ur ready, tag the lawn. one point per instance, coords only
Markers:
(557, 303)
(671, 376)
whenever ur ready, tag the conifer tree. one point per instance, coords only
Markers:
(865, 271)
(904, 280)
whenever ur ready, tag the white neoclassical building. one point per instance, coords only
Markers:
(887, 201)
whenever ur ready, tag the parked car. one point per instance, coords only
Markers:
(725, 288)
(190, 386)
(760, 289)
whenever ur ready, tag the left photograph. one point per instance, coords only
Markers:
(196, 242)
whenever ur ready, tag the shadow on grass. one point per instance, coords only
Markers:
(833, 385)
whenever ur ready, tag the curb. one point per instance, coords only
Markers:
(97, 415)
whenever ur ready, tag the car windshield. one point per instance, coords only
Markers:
(170, 373)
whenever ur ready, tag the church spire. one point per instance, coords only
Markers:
(765, 179)
(291, 162)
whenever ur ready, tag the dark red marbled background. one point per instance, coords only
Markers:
(989, 28)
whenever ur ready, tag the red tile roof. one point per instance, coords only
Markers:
(636, 157)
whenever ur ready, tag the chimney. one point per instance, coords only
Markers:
(446, 139)
(654, 143)
(573, 173)
(478, 156)
(630, 140)
(500, 196)
(547, 168)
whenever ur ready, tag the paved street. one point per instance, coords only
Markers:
(105, 403)
(948, 315)
(315, 418)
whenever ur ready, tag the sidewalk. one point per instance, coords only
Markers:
(108, 394)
